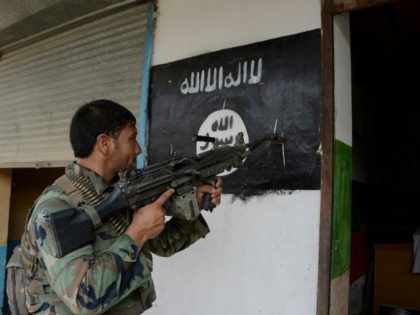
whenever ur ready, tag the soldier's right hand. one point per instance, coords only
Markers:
(149, 221)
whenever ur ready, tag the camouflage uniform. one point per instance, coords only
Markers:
(111, 275)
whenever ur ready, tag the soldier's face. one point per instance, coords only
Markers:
(124, 149)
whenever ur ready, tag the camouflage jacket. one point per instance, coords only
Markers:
(110, 275)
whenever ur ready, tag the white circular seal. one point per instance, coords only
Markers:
(224, 125)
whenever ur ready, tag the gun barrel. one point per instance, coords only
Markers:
(274, 138)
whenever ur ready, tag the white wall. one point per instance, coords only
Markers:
(339, 303)
(342, 79)
(188, 28)
(261, 256)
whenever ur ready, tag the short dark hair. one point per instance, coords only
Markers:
(95, 118)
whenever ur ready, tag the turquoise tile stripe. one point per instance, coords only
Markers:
(3, 255)
(142, 134)
(9, 250)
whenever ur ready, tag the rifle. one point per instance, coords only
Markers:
(139, 187)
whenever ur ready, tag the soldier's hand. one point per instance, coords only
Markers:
(215, 191)
(149, 220)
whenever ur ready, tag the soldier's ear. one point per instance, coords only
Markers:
(103, 143)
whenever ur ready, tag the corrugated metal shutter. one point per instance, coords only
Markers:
(42, 85)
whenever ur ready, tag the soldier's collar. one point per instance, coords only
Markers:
(98, 182)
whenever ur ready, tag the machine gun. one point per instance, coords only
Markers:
(143, 186)
(139, 187)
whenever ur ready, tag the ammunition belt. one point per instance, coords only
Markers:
(118, 222)
(29, 258)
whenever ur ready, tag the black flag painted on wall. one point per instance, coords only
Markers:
(270, 86)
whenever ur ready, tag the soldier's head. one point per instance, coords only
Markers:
(95, 118)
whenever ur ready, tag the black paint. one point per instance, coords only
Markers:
(289, 91)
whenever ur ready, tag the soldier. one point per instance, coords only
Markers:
(112, 274)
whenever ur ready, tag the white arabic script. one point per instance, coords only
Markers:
(200, 81)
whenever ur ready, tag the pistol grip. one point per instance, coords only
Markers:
(206, 203)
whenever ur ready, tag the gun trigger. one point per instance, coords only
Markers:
(184, 190)
(179, 183)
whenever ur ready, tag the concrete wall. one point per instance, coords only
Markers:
(261, 256)
(187, 28)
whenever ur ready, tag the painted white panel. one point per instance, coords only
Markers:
(261, 257)
(188, 28)
(339, 302)
(342, 79)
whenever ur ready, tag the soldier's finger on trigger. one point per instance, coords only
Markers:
(165, 196)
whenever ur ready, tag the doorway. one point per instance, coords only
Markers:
(385, 55)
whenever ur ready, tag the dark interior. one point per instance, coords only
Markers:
(385, 50)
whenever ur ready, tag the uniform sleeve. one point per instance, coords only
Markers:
(178, 235)
(90, 282)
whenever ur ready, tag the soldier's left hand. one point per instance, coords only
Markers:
(215, 191)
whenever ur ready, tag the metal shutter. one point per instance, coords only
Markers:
(41, 85)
